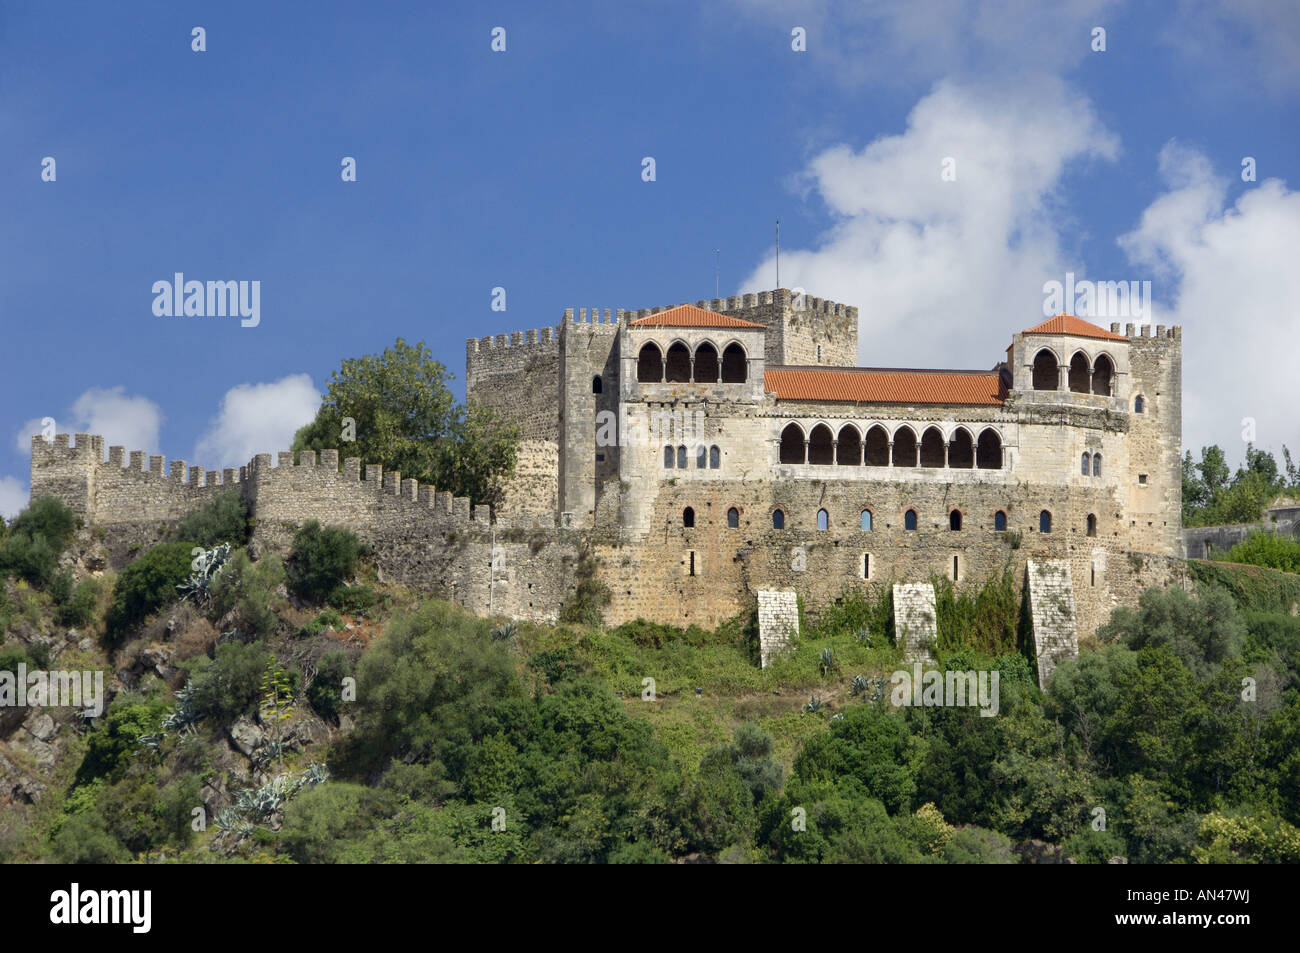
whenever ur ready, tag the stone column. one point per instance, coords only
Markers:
(890, 455)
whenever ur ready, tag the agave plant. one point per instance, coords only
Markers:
(828, 660)
(859, 685)
(315, 774)
(503, 633)
(863, 635)
(205, 567)
(815, 705)
(184, 716)
(152, 740)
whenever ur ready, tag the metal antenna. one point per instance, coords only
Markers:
(716, 253)
(778, 253)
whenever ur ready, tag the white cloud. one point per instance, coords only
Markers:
(257, 418)
(13, 496)
(123, 420)
(944, 272)
(1237, 284)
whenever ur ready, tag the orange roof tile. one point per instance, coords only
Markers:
(689, 316)
(875, 385)
(1069, 324)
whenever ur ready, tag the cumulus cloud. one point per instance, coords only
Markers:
(949, 263)
(124, 420)
(257, 418)
(1234, 270)
(13, 496)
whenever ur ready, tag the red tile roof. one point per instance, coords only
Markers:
(1069, 324)
(885, 385)
(689, 316)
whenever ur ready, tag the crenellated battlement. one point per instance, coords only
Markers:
(514, 339)
(1147, 332)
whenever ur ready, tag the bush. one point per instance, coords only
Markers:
(47, 518)
(322, 558)
(146, 585)
(30, 549)
(115, 739)
(222, 519)
(326, 690)
(248, 589)
(230, 684)
(83, 840)
(76, 604)
(352, 599)
(1267, 549)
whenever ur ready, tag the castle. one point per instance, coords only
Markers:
(700, 459)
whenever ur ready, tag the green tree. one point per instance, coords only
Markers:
(405, 418)
(146, 585)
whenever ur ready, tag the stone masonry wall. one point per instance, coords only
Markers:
(778, 622)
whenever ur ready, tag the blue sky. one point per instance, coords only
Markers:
(522, 169)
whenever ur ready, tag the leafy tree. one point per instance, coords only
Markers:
(230, 683)
(326, 690)
(146, 585)
(249, 590)
(322, 558)
(1267, 549)
(1201, 630)
(406, 419)
(222, 519)
(31, 546)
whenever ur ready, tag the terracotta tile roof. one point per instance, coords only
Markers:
(882, 385)
(689, 316)
(1069, 324)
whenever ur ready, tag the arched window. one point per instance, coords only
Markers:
(1139, 405)
(678, 364)
(823, 519)
(904, 447)
(848, 449)
(1102, 372)
(1000, 521)
(650, 364)
(706, 364)
(821, 446)
(778, 519)
(1092, 524)
(877, 447)
(988, 451)
(1083, 464)
(715, 457)
(1080, 371)
(1044, 522)
(596, 385)
(688, 517)
(961, 450)
(932, 448)
(792, 444)
(866, 521)
(681, 458)
(668, 457)
(909, 519)
(735, 369)
(701, 457)
(954, 520)
(1096, 464)
(733, 518)
(1046, 375)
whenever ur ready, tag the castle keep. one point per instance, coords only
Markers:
(697, 456)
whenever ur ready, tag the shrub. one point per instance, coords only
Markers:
(222, 519)
(248, 589)
(352, 599)
(146, 585)
(326, 690)
(115, 739)
(48, 518)
(230, 684)
(1267, 549)
(28, 557)
(79, 607)
(83, 840)
(322, 558)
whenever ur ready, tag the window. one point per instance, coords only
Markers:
(866, 565)
(1142, 478)
(792, 444)
(823, 520)
(1083, 466)
(778, 519)
(595, 384)
(691, 556)
(821, 446)
(1080, 373)
(954, 521)
(715, 458)
(677, 366)
(600, 458)
(1092, 571)
(668, 458)
(735, 368)
(819, 353)
(1000, 521)
(733, 518)
(701, 457)
(706, 364)
(909, 519)
(1102, 372)
(650, 364)
(681, 458)
(1139, 405)
(1096, 464)
(988, 450)
(1044, 522)
(688, 519)
(956, 569)
(866, 521)
(1045, 374)
(1092, 524)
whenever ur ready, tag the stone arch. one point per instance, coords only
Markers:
(876, 447)
(1000, 520)
(778, 518)
(701, 456)
(904, 447)
(669, 456)
(1083, 463)
(1047, 375)
(715, 457)
(733, 518)
(678, 363)
(910, 518)
(848, 448)
(932, 448)
(1080, 373)
(650, 364)
(688, 518)
(823, 520)
(706, 364)
(1045, 521)
(1103, 373)
(1092, 524)
(793, 448)
(1096, 464)
(988, 450)
(735, 365)
(954, 520)
(1139, 404)
(681, 457)
(865, 520)
(821, 446)
(597, 386)
(961, 449)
